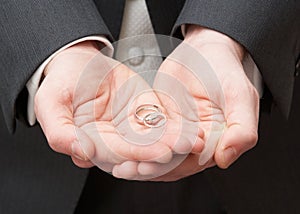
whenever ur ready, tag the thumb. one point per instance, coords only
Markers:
(54, 112)
(240, 133)
(235, 141)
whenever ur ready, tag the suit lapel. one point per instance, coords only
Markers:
(164, 14)
(112, 13)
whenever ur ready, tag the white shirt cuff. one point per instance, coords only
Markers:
(34, 82)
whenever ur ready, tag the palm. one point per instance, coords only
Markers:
(190, 104)
(200, 107)
(104, 110)
(96, 97)
(217, 97)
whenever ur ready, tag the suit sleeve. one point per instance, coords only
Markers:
(30, 31)
(269, 30)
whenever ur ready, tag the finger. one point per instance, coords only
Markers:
(182, 143)
(127, 139)
(157, 152)
(126, 170)
(106, 167)
(154, 170)
(140, 145)
(173, 90)
(54, 113)
(235, 141)
(181, 134)
(211, 142)
(185, 146)
(84, 147)
(242, 124)
(188, 167)
(81, 163)
(111, 147)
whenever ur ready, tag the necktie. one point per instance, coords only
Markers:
(133, 49)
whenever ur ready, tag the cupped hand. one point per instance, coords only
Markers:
(85, 106)
(206, 69)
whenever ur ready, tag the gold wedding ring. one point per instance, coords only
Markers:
(150, 115)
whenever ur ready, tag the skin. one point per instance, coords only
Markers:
(91, 120)
(229, 116)
(78, 110)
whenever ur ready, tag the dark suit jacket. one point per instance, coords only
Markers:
(33, 179)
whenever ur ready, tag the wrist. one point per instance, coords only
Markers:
(204, 36)
(86, 48)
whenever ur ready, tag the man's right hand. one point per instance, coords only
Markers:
(82, 113)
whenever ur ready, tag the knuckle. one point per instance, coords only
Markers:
(53, 142)
(82, 164)
(57, 143)
(252, 138)
(65, 96)
(135, 152)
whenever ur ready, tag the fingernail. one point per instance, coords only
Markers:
(77, 151)
(229, 156)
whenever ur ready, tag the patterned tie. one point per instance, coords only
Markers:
(134, 52)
